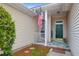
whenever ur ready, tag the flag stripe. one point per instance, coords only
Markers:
(40, 21)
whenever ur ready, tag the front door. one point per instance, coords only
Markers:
(59, 29)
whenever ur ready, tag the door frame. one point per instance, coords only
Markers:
(55, 27)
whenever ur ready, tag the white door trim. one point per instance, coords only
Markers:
(54, 34)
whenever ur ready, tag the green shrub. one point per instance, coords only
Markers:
(7, 32)
(39, 52)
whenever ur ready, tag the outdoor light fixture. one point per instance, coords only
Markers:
(58, 12)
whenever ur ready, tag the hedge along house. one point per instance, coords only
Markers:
(61, 22)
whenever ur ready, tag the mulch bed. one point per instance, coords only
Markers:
(28, 52)
(45, 49)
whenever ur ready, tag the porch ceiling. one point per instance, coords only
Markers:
(59, 9)
(53, 8)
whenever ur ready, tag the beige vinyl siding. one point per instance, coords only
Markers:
(73, 29)
(25, 27)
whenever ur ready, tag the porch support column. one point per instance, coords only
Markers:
(46, 28)
(49, 28)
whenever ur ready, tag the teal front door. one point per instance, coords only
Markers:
(59, 31)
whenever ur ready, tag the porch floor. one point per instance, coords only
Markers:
(60, 43)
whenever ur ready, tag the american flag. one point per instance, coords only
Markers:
(40, 17)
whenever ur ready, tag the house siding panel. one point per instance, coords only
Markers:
(73, 29)
(25, 27)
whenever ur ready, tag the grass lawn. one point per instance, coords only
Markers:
(39, 52)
